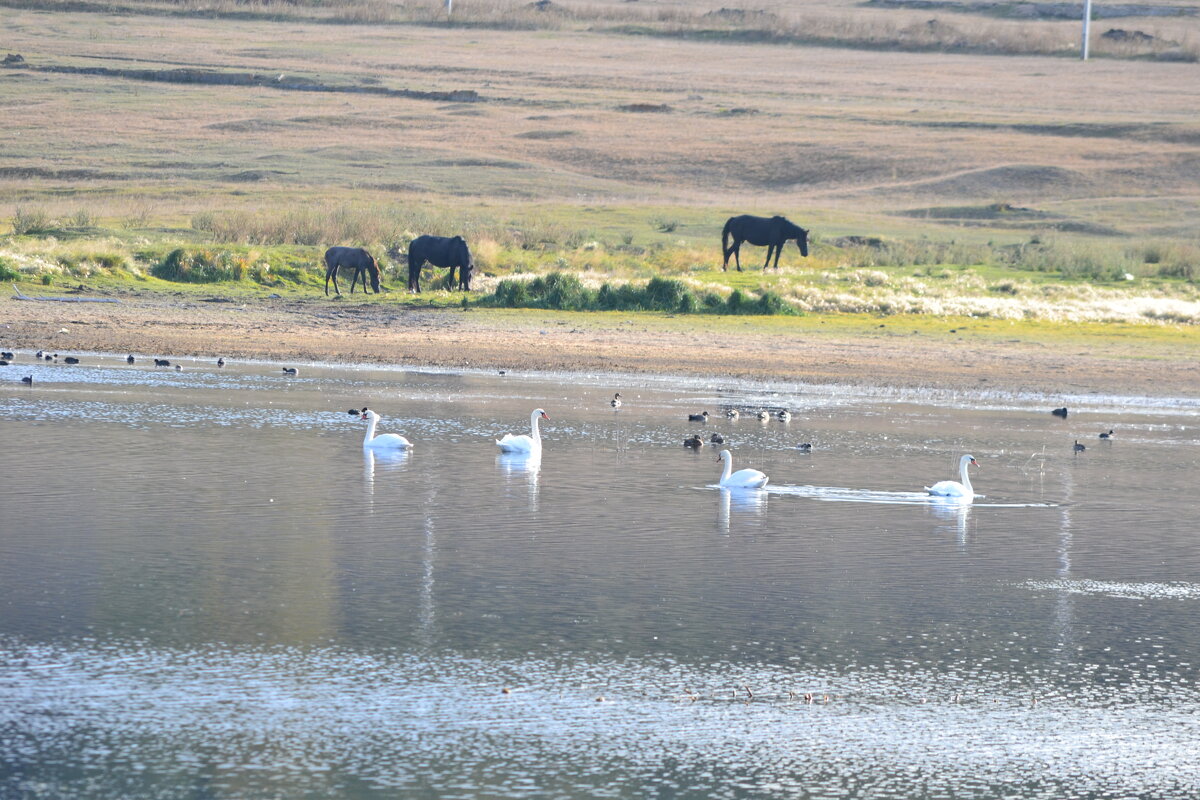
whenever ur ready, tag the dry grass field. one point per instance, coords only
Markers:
(638, 124)
(569, 115)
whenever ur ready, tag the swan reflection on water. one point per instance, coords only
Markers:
(743, 501)
(529, 465)
(956, 510)
(388, 459)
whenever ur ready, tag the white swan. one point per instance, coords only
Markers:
(522, 443)
(383, 440)
(743, 478)
(954, 488)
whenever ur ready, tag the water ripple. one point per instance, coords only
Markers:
(395, 721)
(1135, 591)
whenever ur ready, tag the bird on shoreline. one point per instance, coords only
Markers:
(1107, 435)
(701, 417)
(804, 448)
(785, 415)
(220, 362)
(290, 371)
(733, 413)
(694, 442)
(763, 416)
(1079, 448)
(1060, 412)
(717, 438)
(616, 401)
(27, 380)
(129, 359)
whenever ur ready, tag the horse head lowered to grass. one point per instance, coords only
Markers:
(772, 232)
(440, 251)
(354, 258)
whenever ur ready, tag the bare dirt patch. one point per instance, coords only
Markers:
(799, 350)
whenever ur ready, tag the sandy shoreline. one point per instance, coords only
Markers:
(353, 332)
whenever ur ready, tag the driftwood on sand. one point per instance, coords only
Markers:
(20, 296)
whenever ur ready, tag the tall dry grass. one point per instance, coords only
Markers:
(340, 223)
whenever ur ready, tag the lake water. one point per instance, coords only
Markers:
(207, 591)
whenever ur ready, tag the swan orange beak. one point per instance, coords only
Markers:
(973, 461)
(544, 416)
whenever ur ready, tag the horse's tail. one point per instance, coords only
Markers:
(373, 269)
(725, 243)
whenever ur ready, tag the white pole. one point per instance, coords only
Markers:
(450, 9)
(1087, 22)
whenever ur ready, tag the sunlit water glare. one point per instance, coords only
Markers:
(208, 590)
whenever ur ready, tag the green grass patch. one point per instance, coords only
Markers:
(563, 291)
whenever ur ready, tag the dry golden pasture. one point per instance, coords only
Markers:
(572, 117)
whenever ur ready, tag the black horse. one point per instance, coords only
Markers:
(774, 232)
(440, 251)
(354, 258)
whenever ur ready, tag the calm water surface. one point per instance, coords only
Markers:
(207, 591)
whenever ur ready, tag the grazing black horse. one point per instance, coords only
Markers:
(774, 232)
(356, 259)
(440, 251)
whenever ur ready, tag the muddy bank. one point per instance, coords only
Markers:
(794, 350)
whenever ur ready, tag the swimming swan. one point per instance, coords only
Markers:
(954, 488)
(522, 443)
(743, 478)
(383, 440)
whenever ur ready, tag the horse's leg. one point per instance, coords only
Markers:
(334, 270)
(354, 279)
(328, 272)
(771, 248)
(737, 253)
(778, 250)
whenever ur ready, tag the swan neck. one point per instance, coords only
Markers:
(370, 430)
(728, 459)
(534, 420)
(965, 475)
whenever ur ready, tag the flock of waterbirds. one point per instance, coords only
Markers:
(530, 445)
(696, 442)
(8, 358)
